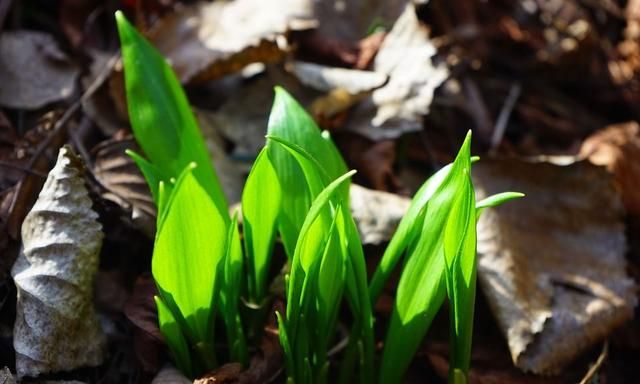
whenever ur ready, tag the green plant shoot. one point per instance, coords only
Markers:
(197, 259)
(439, 238)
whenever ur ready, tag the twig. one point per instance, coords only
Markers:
(64, 119)
(596, 366)
(6, 164)
(505, 113)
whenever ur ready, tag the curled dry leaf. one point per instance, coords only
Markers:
(123, 183)
(552, 265)
(33, 72)
(56, 327)
(376, 213)
(617, 147)
(209, 40)
(397, 107)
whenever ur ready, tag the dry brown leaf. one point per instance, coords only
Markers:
(552, 264)
(33, 71)
(397, 107)
(124, 184)
(376, 213)
(617, 147)
(56, 327)
(140, 309)
(351, 20)
(243, 118)
(209, 40)
(227, 373)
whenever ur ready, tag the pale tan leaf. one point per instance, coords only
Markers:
(208, 40)
(552, 264)
(376, 213)
(124, 184)
(56, 327)
(170, 375)
(325, 79)
(406, 57)
(33, 71)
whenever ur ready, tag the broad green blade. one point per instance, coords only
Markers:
(162, 120)
(289, 121)
(261, 202)
(190, 244)
(174, 338)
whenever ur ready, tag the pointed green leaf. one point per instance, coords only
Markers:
(161, 117)
(495, 200)
(189, 246)
(260, 216)
(174, 338)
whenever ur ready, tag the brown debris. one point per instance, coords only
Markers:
(617, 147)
(208, 40)
(552, 264)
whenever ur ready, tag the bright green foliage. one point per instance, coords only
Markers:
(161, 117)
(197, 259)
(360, 347)
(314, 288)
(261, 202)
(289, 121)
(439, 237)
(186, 265)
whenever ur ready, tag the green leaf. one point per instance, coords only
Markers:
(260, 222)
(230, 295)
(189, 246)
(174, 338)
(162, 120)
(424, 270)
(495, 200)
(289, 121)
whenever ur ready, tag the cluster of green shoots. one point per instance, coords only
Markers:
(297, 192)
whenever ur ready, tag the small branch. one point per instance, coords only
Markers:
(597, 365)
(505, 113)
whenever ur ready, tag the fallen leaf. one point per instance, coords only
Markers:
(324, 79)
(227, 373)
(350, 21)
(33, 71)
(123, 183)
(397, 107)
(209, 40)
(376, 213)
(56, 327)
(617, 147)
(232, 173)
(170, 375)
(141, 311)
(242, 120)
(107, 106)
(552, 264)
